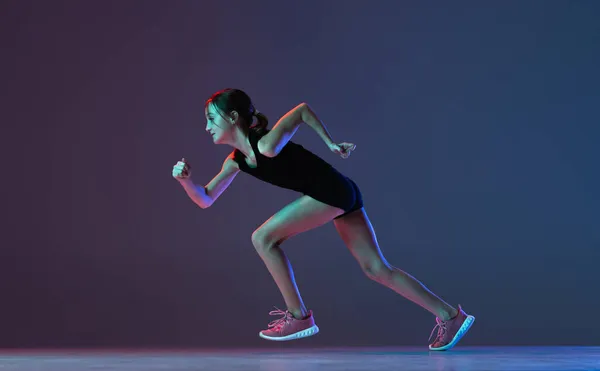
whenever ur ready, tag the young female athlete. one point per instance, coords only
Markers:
(327, 195)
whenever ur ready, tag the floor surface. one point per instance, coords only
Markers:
(346, 359)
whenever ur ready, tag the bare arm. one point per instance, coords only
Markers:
(205, 196)
(271, 144)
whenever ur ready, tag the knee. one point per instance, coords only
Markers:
(376, 269)
(262, 240)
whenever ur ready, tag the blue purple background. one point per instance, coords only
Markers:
(476, 126)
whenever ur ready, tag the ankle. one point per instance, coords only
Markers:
(448, 314)
(301, 313)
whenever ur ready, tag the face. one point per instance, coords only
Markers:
(219, 127)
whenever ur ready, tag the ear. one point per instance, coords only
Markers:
(233, 117)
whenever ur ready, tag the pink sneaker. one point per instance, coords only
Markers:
(451, 331)
(288, 327)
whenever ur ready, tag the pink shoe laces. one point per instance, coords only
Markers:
(279, 323)
(441, 326)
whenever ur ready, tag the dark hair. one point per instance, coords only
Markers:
(228, 100)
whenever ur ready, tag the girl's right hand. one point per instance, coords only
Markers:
(182, 170)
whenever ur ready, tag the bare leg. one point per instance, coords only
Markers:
(358, 235)
(299, 216)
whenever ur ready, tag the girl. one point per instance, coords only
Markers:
(327, 195)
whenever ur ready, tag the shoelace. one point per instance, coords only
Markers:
(279, 323)
(441, 326)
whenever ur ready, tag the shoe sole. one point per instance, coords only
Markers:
(298, 335)
(459, 334)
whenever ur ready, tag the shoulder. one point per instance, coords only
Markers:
(232, 161)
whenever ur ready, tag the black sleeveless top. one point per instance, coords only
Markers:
(300, 170)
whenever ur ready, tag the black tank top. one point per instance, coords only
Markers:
(300, 170)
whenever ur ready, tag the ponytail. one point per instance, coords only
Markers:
(261, 122)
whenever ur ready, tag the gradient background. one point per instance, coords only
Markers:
(476, 126)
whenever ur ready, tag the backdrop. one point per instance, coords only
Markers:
(476, 127)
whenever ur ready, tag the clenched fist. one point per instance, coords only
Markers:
(182, 170)
(342, 149)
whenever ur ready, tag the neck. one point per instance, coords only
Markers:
(241, 142)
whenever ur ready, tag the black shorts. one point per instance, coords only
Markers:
(356, 203)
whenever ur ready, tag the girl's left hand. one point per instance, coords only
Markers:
(343, 149)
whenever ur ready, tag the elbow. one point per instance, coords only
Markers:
(205, 204)
(303, 108)
(305, 111)
(206, 201)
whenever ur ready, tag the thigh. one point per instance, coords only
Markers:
(358, 234)
(303, 214)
